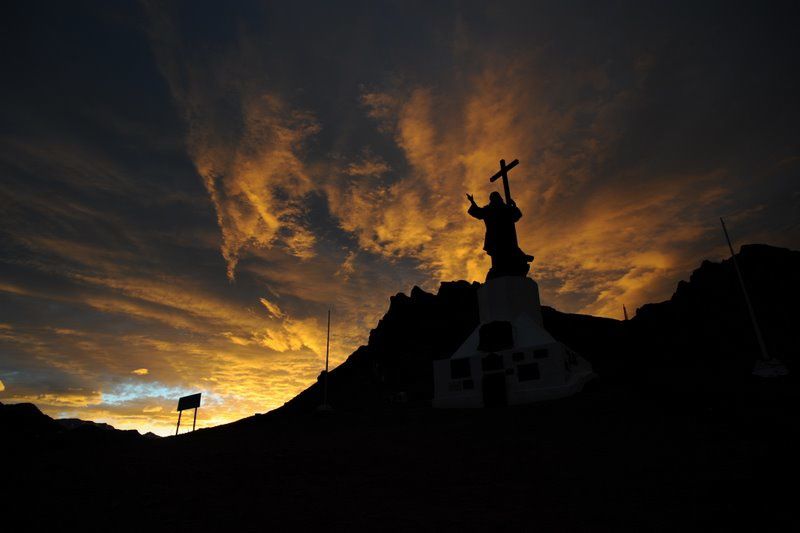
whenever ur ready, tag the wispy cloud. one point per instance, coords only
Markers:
(249, 156)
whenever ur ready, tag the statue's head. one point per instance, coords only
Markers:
(496, 199)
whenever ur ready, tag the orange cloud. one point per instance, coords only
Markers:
(253, 171)
(57, 401)
(272, 308)
(593, 235)
(245, 179)
(368, 165)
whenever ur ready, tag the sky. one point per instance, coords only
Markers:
(187, 187)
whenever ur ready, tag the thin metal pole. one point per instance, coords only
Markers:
(194, 422)
(761, 344)
(179, 422)
(327, 354)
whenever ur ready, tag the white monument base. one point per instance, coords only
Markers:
(509, 359)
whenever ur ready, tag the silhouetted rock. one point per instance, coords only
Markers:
(707, 318)
(75, 423)
(26, 425)
(25, 420)
(395, 365)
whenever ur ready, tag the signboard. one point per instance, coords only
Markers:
(189, 402)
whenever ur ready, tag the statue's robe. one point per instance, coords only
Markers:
(501, 237)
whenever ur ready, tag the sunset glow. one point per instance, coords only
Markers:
(186, 191)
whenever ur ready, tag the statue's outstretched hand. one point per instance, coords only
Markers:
(470, 198)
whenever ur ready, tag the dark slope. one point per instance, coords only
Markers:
(397, 358)
(604, 460)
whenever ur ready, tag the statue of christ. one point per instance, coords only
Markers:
(500, 242)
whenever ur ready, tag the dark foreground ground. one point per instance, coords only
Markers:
(605, 460)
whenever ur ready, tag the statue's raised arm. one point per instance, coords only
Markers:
(474, 209)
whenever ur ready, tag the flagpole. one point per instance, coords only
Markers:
(327, 355)
(761, 344)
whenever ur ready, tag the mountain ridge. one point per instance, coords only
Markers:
(25, 421)
(705, 320)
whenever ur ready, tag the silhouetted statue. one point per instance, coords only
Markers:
(501, 234)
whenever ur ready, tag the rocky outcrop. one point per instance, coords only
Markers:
(24, 423)
(698, 339)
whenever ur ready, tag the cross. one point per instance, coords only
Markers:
(504, 174)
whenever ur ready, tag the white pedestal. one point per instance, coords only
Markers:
(533, 368)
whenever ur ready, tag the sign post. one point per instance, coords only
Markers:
(188, 402)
